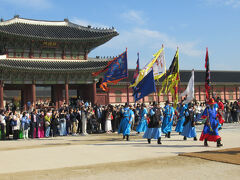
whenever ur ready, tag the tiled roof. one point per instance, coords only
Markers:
(55, 65)
(199, 76)
(53, 30)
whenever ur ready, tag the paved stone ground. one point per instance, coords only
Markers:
(75, 157)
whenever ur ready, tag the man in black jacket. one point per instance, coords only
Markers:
(34, 124)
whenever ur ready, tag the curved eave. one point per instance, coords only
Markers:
(53, 66)
(30, 37)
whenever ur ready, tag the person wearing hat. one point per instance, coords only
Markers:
(210, 129)
(154, 126)
(142, 126)
(181, 118)
(168, 119)
(126, 122)
(189, 130)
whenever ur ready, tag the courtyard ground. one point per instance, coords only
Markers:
(107, 156)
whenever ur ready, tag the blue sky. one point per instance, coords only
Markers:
(144, 26)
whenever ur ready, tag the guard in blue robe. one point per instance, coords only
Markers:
(167, 120)
(142, 126)
(154, 126)
(126, 122)
(181, 119)
(210, 129)
(189, 130)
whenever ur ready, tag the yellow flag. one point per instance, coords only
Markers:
(172, 76)
(146, 69)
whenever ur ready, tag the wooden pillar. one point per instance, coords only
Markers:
(25, 98)
(1, 95)
(60, 96)
(158, 97)
(66, 93)
(94, 90)
(63, 54)
(33, 95)
(212, 91)
(52, 94)
(236, 93)
(79, 93)
(224, 92)
(22, 100)
(85, 56)
(127, 93)
(108, 96)
(199, 92)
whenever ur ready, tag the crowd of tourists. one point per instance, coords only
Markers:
(84, 118)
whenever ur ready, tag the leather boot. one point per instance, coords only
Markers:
(195, 138)
(169, 134)
(159, 141)
(123, 137)
(184, 138)
(205, 143)
(149, 141)
(127, 137)
(219, 144)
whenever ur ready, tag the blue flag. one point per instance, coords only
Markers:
(116, 71)
(145, 87)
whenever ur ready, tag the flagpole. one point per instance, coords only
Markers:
(207, 78)
(209, 71)
(158, 87)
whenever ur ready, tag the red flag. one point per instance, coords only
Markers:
(207, 77)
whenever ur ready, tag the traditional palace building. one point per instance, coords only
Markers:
(54, 54)
(49, 53)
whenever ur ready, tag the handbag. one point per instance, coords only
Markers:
(20, 134)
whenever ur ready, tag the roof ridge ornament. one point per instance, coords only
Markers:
(16, 16)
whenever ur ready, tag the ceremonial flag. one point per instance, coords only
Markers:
(172, 76)
(207, 77)
(159, 67)
(147, 68)
(145, 87)
(104, 69)
(136, 71)
(190, 90)
(115, 71)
